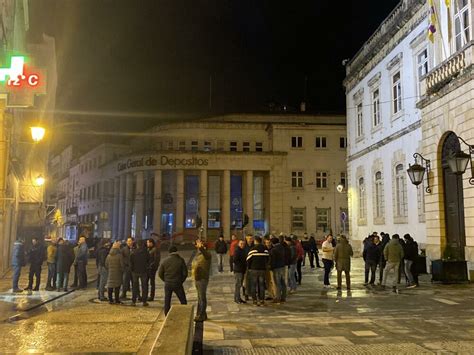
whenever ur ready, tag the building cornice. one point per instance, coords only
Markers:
(381, 43)
(385, 141)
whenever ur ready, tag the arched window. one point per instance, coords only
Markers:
(400, 192)
(379, 196)
(362, 200)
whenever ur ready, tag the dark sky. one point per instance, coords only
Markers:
(156, 56)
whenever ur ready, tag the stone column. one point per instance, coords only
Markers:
(179, 201)
(248, 210)
(139, 204)
(121, 208)
(226, 204)
(115, 207)
(128, 205)
(203, 202)
(157, 203)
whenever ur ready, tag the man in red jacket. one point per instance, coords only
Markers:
(233, 244)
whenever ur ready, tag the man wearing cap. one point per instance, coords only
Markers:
(173, 271)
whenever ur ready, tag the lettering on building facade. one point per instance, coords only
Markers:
(162, 161)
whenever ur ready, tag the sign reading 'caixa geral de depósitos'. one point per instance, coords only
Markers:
(162, 161)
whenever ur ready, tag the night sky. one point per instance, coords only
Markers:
(155, 57)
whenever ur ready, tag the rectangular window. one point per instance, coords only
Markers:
(321, 180)
(98, 190)
(170, 145)
(233, 146)
(194, 146)
(343, 179)
(246, 147)
(296, 142)
(191, 190)
(214, 202)
(462, 23)
(236, 211)
(343, 142)
(360, 121)
(296, 179)
(259, 147)
(298, 219)
(376, 107)
(323, 219)
(182, 145)
(320, 142)
(396, 93)
(207, 146)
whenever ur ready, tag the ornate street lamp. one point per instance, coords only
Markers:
(458, 161)
(416, 172)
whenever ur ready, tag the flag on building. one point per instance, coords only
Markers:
(432, 25)
(448, 11)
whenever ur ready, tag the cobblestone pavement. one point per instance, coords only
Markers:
(79, 323)
(429, 319)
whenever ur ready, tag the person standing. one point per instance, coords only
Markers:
(173, 272)
(411, 253)
(292, 264)
(51, 262)
(201, 268)
(279, 269)
(383, 261)
(393, 254)
(64, 260)
(114, 266)
(101, 269)
(36, 258)
(307, 250)
(257, 260)
(75, 251)
(155, 258)
(221, 250)
(81, 261)
(249, 243)
(139, 263)
(240, 266)
(18, 261)
(342, 255)
(233, 244)
(127, 275)
(372, 255)
(328, 255)
(299, 258)
(314, 252)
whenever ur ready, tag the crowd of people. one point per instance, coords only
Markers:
(265, 268)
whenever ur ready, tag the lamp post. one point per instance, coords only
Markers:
(416, 171)
(339, 188)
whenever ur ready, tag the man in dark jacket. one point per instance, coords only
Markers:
(342, 256)
(155, 258)
(173, 271)
(18, 261)
(279, 268)
(127, 275)
(139, 262)
(36, 257)
(239, 267)
(221, 250)
(101, 269)
(371, 254)
(81, 260)
(201, 270)
(411, 253)
(257, 260)
(64, 260)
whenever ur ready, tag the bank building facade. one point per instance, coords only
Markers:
(265, 173)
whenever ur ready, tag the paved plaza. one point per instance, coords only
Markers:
(428, 319)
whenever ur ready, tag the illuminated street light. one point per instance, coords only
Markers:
(340, 188)
(40, 180)
(37, 133)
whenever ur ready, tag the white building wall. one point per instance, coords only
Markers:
(393, 141)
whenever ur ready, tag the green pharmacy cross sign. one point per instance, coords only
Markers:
(21, 83)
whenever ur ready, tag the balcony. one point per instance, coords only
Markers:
(447, 71)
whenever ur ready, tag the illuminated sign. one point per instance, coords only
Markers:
(21, 82)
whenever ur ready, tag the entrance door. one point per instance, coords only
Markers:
(453, 202)
(167, 221)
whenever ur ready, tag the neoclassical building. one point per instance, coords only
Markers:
(267, 173)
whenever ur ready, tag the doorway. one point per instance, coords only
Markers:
(453, 202)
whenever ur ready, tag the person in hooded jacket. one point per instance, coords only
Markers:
(18, 261)
(101, 269)
(342, 256)
(114, 265)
